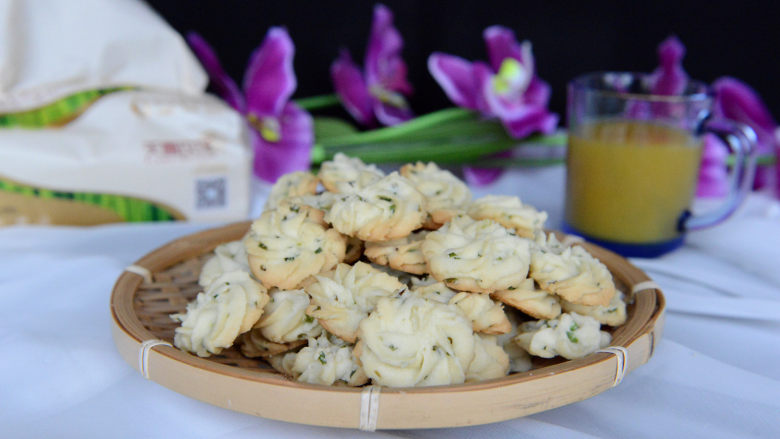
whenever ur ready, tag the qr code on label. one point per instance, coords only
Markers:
(211, 193)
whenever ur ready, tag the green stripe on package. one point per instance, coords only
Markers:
(57, 113)
(110, 207)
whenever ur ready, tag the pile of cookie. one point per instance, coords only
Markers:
(352, 276)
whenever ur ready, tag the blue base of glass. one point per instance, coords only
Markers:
(651, 250)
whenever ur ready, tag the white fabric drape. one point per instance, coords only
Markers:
(713, 375)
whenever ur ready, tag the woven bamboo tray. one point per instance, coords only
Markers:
(140, 310)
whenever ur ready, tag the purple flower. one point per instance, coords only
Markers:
(281, 132)
(736, 101)
(378, 93)
(220, 80)
(713, 173)
(507, 88)
(669, 78)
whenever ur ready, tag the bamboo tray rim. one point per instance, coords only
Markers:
(129, 333)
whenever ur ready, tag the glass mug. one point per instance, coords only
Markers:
(633, 159)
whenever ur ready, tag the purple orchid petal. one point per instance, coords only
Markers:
(293, 150)
(397, 80)
(270, 80)
(351, 88)
(481, 176)
(713, 172)
(501, 44)
(777, 163)
(737, 101)
(670, 78)
(538, 92)
(534, 120)
(389, 114)
(508, 107)
(509, 90)
(513, 105)
(223, 83)
(484, 176)
(456, 77)
(383, 63)
(482, 77)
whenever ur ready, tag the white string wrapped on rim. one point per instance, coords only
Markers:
(143, 354)
(621, 354)
(369, 408)
(141, 271)
(645, 285)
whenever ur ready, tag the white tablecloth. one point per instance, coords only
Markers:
(715, 374)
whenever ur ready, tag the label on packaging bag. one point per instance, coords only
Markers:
(131, 156)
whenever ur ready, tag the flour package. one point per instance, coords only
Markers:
(103, 118)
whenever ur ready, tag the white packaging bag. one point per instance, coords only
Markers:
(132, 156)
(162, 150)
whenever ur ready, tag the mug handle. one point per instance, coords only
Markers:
(741, 141)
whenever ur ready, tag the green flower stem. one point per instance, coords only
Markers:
(558, 138)
(444, 150)
(762, 160)
(471, 151)
(443, 130)
(317, 102)
(465, 148)
(517, 162)
(403, 130)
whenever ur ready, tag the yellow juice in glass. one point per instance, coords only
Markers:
(630, 181)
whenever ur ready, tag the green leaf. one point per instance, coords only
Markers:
(331, 127)
(452, 135)
(317, 102)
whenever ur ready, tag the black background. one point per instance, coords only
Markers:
(737, 39)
